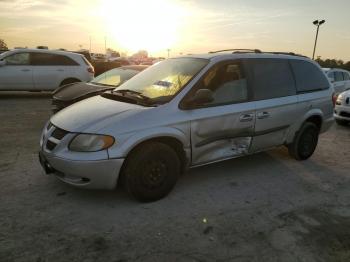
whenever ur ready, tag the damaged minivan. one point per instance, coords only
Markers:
(186, 112)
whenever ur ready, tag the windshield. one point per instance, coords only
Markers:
(114, 77)
(2, 55)
(165, 79)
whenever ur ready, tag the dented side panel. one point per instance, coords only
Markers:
(218, 133)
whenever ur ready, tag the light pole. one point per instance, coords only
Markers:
(168, 52)
(318, 24)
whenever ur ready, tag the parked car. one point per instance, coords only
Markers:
(342, 108)
(41, 70)
(74, 92)
(96, 57)
(340, 78)
(186, 112)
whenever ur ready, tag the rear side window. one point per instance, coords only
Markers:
(308, 76)
(346, 76)
(271, 78)
(17, 59)
(338, 76)
(43, 59)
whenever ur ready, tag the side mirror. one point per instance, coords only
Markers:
(2, 62)
(202, 96)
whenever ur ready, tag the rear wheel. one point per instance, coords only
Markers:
(305, 142)
(342, 122)
(151, 171)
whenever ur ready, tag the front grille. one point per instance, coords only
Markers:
(54, 136)
(344, 114)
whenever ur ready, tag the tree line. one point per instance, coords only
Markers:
(333, 63)
(328, 63)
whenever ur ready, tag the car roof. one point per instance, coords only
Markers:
(233, 55)
(334, 69)
(46, 51)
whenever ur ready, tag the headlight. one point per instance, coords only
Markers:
(90, 143)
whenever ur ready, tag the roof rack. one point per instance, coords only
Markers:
(237, 51)
(256, 51)
(284, 53)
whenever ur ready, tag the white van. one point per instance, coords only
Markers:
(42, 70)
(186, 112)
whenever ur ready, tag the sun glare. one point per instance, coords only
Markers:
(133, 25)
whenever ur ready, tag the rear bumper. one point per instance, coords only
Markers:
(99, 174)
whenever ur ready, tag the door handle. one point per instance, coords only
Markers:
(262, 115)
(25, 70)
(246, 117)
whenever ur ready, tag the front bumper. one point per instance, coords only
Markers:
(95, 174)
(342, 112)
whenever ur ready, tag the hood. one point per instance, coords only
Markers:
(72, 92)
(93, 114)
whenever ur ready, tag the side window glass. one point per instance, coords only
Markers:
(228, 84)
(346, 76)
(17, 59)
(43, 59)
(308, 76)
(272, 78)
(331, 75)
(338, 76)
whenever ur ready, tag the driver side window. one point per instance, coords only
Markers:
(228, 84)
(17, 59)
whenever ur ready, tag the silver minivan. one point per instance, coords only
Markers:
(186, 112)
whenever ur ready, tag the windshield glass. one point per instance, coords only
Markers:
(2, 55)
(166, 78)
(114, 77)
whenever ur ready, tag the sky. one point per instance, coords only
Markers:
(183, 26)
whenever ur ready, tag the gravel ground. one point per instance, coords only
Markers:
(264, 207)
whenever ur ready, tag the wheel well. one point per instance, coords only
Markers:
(317, 120)
(69, 80)
(174, 143)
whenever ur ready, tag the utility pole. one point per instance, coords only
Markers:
(318, 24)
(105, 44)
(168, 52)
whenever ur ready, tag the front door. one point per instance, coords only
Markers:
(17, 73)
(223, 128)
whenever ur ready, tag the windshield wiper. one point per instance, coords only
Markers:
(134, 94)
(101, 84)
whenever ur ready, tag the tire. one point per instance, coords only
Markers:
(151, 171)
(342, 122)
(69, 81)
(305, 142)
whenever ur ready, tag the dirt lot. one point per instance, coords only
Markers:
(265, 207)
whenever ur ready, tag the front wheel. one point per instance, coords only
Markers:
(305, 142)
(151, 171)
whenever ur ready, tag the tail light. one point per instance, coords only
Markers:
(334, 98)
(91, 70)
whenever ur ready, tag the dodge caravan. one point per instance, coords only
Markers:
(186, 112)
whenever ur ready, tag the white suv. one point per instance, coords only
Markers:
(42, 70)
(187, 112)
(339, 77)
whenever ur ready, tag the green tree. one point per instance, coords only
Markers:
(3, 45)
